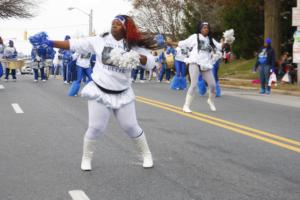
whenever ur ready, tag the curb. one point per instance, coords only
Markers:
(275, 91)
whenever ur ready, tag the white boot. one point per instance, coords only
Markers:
(187, 104)
(89, 147)
(211, 105)
(143, 148)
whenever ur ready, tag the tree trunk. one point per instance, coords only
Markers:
(272, 23)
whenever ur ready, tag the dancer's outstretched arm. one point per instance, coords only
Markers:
(65, 44)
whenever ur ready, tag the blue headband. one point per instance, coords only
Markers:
(121, 19)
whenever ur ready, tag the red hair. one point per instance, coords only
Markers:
(132, 32)
(133, 36)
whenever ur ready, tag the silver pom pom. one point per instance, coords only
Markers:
(229, 36)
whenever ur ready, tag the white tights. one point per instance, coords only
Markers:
(99, 116)
(206, 75)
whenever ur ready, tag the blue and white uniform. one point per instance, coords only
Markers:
(1, 56)
(170, 51)
(83, 69)
(10, 53)
(201, 61)
(110, 92)
(179, 80)
(41, 57)
(106, 75)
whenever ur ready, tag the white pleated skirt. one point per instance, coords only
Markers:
(113, 101)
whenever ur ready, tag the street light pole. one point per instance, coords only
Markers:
(90, 15)
(91, 23)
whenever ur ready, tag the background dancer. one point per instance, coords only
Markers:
(166, 59)
(67, 63)
(11, 53)
(179, 80)
(1, 55)
(201, 61)
(84, 68)
(110, 91)
(42, 58)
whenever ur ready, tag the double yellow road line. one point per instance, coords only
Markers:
(274, 139)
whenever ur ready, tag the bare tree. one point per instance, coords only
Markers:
(17, 8)
(159, 16)
(203, 10)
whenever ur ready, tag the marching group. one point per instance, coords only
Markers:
(109, 77)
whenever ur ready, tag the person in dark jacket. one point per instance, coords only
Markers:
(266, 63)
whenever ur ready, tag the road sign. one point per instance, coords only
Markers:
(296, 52)
(296, 16)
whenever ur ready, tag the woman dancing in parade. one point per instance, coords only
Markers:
(201, 62)
(110, 91)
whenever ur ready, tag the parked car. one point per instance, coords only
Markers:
(27, 68)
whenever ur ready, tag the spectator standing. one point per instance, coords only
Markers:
(266, 63)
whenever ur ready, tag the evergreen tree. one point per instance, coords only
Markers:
(247, 19)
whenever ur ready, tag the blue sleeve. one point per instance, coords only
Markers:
(161, 58)
(13, 55)
(173, 51)
(50, 53)
(33, 54)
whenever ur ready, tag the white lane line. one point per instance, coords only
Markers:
(78, 195)
(17, 108)
(1, 87)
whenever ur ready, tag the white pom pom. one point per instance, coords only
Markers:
(216, 56)
(130, 60)
(115, 56)
(229, 36)
(123, 59)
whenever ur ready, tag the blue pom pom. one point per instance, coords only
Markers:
(201, 86)
(175, 83)
(183, 84)
(218, 90)
(39, 39)
(160, 40)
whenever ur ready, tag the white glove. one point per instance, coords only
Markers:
(37, 58)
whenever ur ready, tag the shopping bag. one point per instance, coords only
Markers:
(272, 79)
(286, 78)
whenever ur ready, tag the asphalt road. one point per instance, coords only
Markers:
(248, 150)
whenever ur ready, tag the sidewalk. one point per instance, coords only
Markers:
(245, 84)
(279, 99)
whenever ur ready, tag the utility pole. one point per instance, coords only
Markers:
(90, 15)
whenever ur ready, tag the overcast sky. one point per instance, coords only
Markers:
(54, 17)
